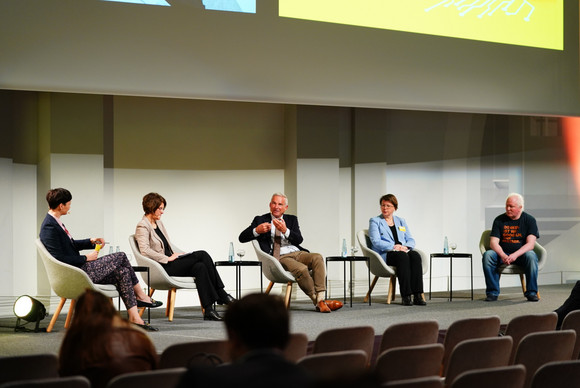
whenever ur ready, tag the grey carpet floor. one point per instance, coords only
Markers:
(188, 323)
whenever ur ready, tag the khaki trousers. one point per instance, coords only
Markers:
(299, 264)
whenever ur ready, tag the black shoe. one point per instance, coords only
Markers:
(154, 303)
(212, 315)
(146, 326)
(228, 299)
(533, 298)
(491, 298)
(407, 300)
(418, 300)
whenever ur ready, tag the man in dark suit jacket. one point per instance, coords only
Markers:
(293, 257)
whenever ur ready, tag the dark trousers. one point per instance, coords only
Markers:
(199, 264)
(570, 304)
(409, 271)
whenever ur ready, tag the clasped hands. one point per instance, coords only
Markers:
(400, 247)
(266, 227)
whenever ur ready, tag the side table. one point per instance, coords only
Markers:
(450, 256)
(350, 260)
(143, 268)
(239, 264)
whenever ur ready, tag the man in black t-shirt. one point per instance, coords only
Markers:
(512, 239)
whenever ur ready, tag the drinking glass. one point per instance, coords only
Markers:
(240, 253)
(453, 247)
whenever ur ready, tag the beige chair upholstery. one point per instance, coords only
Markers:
(160, 280)
(68, 282)
(468, 328)
(520, 326)
(409, 334)
(514, 269)
(345, 338)
(562, 374)
(538, 349)
(379, 267)
(335, 366)
(512, 376)
(478, 353)
(274, 272)
(186, 354)
(572, 322)
(408, 362)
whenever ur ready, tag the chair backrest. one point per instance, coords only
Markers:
(376, 263)
(159, 378)
(419, 382)
(561, 374)
(469, 328)
(335, 366)
(345, 338)
(512, 376)
(537, 349)
(271, 267)
(68, 281)
(51, 382)
(409, 334)
(520, 326)
(31, 366)
(572, 322)
(539, 249)
(407, 362)
(186, 354)
(297, 347)
(478, 353)
(158, 278)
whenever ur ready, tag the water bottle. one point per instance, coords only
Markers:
(231, 254)
(343, 253)
(445, 246)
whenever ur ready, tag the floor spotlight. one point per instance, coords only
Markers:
(30, 310)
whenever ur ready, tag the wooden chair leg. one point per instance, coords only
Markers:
(374, 282)
(392, 289)
(269, 288)
(71, 311)
(288, 294)
(523, 281)
(55, 315)
(171, 303)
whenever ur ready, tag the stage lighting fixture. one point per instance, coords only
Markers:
(30, 310)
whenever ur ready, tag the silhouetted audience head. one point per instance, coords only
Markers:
(257, 321)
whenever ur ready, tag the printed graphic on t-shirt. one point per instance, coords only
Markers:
(511, 234)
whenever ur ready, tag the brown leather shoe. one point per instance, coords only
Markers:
(333, 304)
(322, 307)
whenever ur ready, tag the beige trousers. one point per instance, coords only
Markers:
(299, 264)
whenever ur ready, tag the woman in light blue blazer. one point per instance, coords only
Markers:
(391, 238)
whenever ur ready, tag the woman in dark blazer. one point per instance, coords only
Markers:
(114, 268)
(154, 243)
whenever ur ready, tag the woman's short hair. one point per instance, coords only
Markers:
(390, 198)
(55, 197)
(152, 201)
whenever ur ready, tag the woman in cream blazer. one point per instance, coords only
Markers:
(153, 241)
